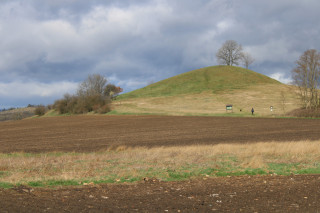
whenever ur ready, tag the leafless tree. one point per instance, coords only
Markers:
(247, 59)
(283, 101)
(92, 86)
(90, 94)
(307, 77)
(93, 94)
(230, 53)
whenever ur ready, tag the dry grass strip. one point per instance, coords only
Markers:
(135, 162)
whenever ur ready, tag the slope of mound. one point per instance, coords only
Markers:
(209, 79)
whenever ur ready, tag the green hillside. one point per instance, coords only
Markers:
(207, 91)
(209, 79)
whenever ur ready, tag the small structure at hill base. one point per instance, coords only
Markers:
(229, 108)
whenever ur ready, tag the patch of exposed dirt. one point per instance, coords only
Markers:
(93, 133)
(223, 194)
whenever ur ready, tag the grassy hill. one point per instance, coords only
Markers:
(214, 79)
(206, 91)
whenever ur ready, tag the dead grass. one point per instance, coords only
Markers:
(125, 162)
(17, 114)
(261, 97)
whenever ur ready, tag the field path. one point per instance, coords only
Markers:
(88, 133)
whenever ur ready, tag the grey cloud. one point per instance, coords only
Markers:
(136, 41)
(29, 91)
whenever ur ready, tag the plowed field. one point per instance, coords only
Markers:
(234, 194)
(92, 133)
(299, 193)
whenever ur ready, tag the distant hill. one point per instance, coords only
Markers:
(207, 91)
(214, 79)
(17, 114)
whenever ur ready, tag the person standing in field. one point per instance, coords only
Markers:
(252, 110)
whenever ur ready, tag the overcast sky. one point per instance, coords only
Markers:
(48, 47)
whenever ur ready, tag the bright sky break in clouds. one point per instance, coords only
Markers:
(48, 47)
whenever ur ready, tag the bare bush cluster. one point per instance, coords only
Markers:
(93, 94)
(40, 110)
(305, 113)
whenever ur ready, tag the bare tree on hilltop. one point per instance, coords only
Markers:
(247, 59)
(230, 53)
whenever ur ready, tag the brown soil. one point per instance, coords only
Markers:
(92, 133)
(223, 194)
(228, 194)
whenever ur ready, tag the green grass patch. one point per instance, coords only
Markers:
(53, 113)
(62, 183)
(179, 175)
(283, 168)
(5, 185)
(4, 173)
(222, 169)
(214, 79)
(308, 171)
(36, 184)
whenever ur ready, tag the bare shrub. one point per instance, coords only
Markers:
(283, 101)
(305, 113)
(40, 110)
(50, 106)
(247, 59)
(90, 103)
(112, 91)
(72, 104)
(93, 95)
(102, 109)
(61, 106)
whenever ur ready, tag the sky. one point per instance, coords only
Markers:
(48, 47)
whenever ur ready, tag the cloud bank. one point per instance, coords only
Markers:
(48, 47)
